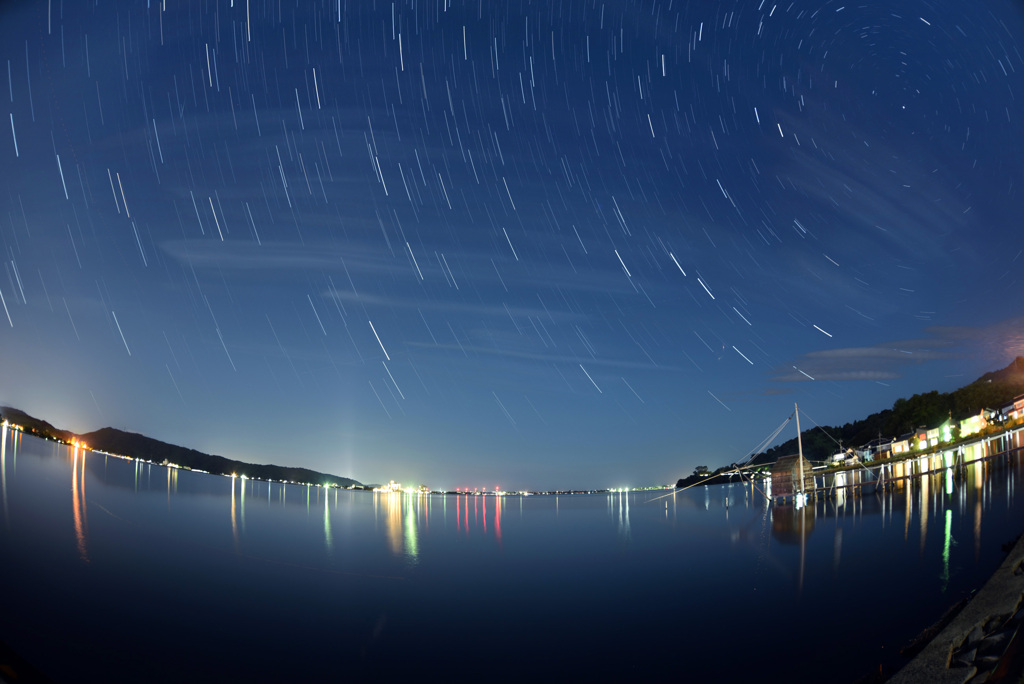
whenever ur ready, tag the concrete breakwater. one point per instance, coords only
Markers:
(983, 641)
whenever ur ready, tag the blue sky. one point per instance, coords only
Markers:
(503, 244)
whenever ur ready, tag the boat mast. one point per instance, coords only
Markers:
(799, 446)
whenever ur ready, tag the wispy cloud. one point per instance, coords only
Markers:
(993, 345)
(452, 306)
(276, 256)
(551, 358)
(884, 361)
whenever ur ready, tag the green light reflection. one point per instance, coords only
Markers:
(945, 549)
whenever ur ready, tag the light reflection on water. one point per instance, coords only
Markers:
(407, 518)
(328, 541)
(388, 568)
(621, 502)
(234, 518)
(78, 502)
(3, 472)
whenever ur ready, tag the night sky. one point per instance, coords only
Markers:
(527, 245)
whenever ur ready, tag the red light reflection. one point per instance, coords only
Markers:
(497, 518)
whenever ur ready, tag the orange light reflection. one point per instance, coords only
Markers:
(78, 505)
(3, 469)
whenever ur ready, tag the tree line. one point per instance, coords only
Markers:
(928, 410)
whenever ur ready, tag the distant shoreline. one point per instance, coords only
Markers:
(139, 447)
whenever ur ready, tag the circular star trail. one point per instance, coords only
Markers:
(527, 245)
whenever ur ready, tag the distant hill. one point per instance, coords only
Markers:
(139, 446)
(40, 428)
(992, 390)
(134, 445)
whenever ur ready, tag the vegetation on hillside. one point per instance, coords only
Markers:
(990, 391)
(701, 474)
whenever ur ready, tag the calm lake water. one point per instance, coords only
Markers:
(116, 570)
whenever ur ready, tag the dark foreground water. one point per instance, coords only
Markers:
(115, 570)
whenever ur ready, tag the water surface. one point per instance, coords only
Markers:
(130, 571)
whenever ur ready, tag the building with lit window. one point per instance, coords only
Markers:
(975, 424)
(1014, 410)
(902, 446)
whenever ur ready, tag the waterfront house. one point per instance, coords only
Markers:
(902, 446)
(932, 438)
(1014, 410)
(877, 449)
(975, 424)
(786, 476)
(839, 458)
(847, 457)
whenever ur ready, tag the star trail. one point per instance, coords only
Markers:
(534, 245)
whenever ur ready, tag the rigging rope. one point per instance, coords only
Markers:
(839, 444)
(766, 441)
(744, 464)
(752, 483)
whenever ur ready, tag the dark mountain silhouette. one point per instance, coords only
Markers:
(991, 391)
(131, 444)
(123, 443)
(37, 427)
